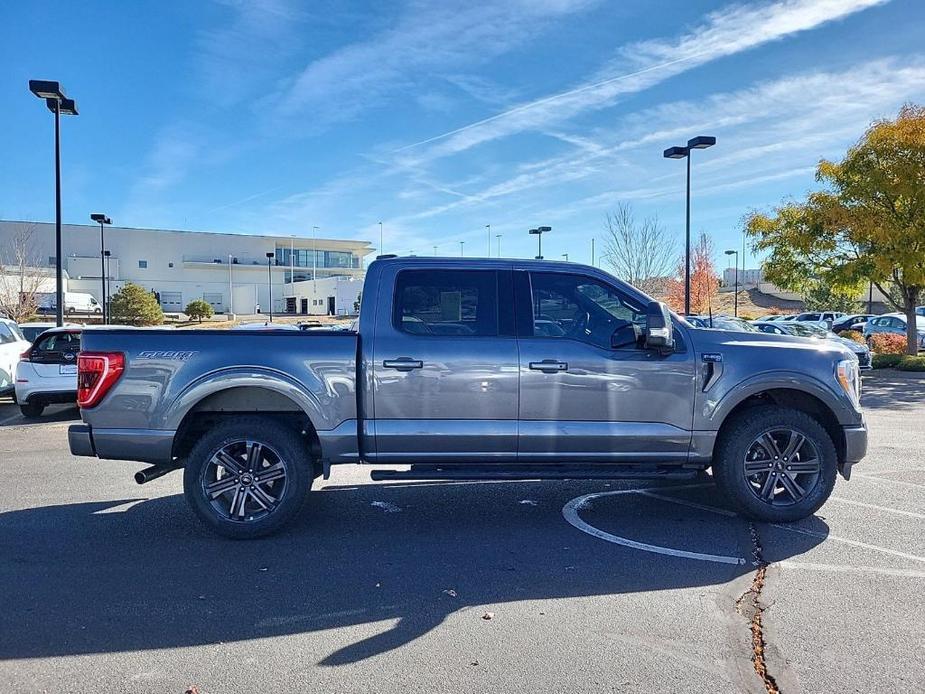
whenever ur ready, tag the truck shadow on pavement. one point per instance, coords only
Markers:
(131, 575)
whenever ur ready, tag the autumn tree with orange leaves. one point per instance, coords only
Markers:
(704, 279)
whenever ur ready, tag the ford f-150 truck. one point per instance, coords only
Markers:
(474, 369)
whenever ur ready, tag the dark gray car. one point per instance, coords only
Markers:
(475, 369)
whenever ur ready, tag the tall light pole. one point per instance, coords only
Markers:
(106, 255)
(57, 103)
(381, 252)
(270, 255)
(230, 286)
(102, 219)
(314, 259)
(498, 236)
(592, 252)
(488, 226)
(538, 232)
(565, 255)
(699, 142)
(462, 248)
(735, 310)
(435, 250)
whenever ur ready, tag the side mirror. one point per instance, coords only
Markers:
(659, 330)
(626, 335)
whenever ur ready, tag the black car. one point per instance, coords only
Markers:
(848, 322)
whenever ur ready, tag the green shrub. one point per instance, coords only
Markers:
(133, 305)
(852, 335)
(911, 363)
(199, 308)
(885, 361)
(888, 343)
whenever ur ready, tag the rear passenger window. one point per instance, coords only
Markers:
(462, 303)
(59, 342)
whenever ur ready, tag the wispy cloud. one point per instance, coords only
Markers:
(239, 55)
(427, 37)
(766, 131)
(725, 32)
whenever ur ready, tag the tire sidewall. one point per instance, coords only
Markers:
(731, 450)
(271, 433)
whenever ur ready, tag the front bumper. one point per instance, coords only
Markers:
(855, 447)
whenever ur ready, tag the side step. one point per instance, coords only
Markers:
(548, 472)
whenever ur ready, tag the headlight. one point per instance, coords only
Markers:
(849, 378)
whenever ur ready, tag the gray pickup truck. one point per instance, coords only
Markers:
(474, 369)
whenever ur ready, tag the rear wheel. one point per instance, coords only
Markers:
(31, 410)
(775, 464)
(247, 477)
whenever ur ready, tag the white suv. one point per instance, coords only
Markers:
(47, 372)
(12, 344)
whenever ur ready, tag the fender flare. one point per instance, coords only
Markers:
(716, 412)
(251, 377)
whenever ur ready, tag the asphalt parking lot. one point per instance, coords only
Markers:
(388, 587)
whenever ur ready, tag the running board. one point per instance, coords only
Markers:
(601, 472)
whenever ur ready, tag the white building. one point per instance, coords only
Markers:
(230, 271)
(326, 296)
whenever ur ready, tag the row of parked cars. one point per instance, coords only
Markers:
(823, 325)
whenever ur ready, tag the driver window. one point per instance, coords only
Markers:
(580, 308)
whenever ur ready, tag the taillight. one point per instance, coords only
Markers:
(96, 374)
(27, 355)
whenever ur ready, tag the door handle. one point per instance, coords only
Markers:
(549, 366)
(403, 364)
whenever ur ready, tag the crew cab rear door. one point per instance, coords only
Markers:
(584, 400)
(445, 367)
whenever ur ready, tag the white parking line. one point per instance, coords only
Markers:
(885, 509)
(812, 566)
(887, 480)
(853, 543)
(570, 513)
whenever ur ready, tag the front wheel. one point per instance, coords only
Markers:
(248, 477)
(775, 464)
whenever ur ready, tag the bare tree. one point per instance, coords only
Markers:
(639, 253)
(21, 277)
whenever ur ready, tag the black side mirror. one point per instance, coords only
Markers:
(659, 333)
(625, 335)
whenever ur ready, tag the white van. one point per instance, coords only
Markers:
(12, 345)
(74, 302)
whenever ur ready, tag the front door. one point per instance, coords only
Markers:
(445, 371)
(584, 400)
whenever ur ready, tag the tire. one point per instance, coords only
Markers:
(267, 505)
(775, 490)
(31, 410)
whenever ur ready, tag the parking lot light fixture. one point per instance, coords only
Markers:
(270, 255)
(681, 152)
(53, 95)
(538, 232)
(102, 219)
(735, 310)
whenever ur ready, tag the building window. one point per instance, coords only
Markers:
(142, 264)
(52, 260)
(169, 264)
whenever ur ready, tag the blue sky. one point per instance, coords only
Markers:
(438, 118)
